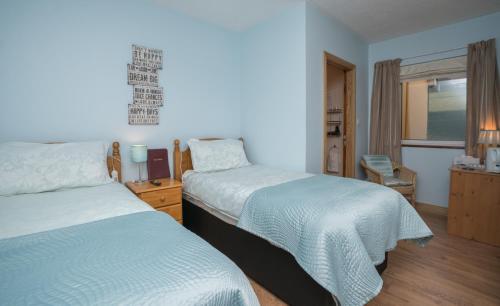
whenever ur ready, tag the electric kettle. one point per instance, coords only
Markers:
(493, 160)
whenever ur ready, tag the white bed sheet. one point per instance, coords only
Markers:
(31, 213)
(228, 190)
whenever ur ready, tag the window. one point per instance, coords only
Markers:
(447, 100)
(434, 109)
(433, 102)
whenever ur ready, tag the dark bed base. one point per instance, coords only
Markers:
(272, 267)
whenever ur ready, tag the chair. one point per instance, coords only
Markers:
(379, 169)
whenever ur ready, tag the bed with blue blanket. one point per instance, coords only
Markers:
(103, 246)
(71, 235)
(309, 239)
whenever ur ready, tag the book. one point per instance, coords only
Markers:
(158, 164)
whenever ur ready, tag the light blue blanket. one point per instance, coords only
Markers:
(338, 229)
(138, 259)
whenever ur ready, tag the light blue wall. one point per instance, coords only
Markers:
(325, 34)
(63, 73)
(282, 86)
(433, 177)
(432, 164)
(64, 79)
(273, 90)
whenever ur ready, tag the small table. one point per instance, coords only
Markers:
(167, 197)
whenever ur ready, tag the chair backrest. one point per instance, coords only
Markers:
(381, 163)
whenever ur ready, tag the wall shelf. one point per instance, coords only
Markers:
(334, 111)
(334, 122)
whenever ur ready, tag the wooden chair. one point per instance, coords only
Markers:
(404, 180)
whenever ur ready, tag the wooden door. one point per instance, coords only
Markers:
(349, 118)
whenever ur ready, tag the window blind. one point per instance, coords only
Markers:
(454, 67)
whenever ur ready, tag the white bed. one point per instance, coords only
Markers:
(328, 224)
(32, 213)
(224, 193)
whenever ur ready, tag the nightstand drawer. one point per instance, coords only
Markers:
(174, 210)
(163, 197)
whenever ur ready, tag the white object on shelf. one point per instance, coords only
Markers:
(493, 160)
(333, 159)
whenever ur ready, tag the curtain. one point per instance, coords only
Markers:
(385, 119)
(483, 94)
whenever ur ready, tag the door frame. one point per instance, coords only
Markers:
(349, 155)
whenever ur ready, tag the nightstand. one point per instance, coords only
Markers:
(166, 198)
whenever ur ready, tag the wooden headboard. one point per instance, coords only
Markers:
(115, 161)
(182, 159)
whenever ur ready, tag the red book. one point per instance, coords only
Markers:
(158, 164)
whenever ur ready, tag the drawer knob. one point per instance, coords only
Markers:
(162, 199)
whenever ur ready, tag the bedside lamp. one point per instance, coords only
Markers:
(491, 137)
(139, 155)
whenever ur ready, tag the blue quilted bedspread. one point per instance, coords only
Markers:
(138, 259)
(338, 229)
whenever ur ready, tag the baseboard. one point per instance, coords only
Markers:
(432, 209)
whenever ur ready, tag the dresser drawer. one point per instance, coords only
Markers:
(174, 210)
(163, 197)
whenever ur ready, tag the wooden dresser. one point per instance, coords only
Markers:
(474, 205)
(167, 197)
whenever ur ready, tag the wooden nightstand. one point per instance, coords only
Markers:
(166, 198)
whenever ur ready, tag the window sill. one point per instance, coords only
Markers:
(433, 144)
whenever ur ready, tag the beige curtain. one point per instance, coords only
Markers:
(385, 120)
(483, 94)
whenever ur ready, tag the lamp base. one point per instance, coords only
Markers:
(140, 180)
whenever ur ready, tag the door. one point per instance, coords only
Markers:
(339, 117)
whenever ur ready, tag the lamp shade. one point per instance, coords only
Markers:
(489, 137)
(139, 153)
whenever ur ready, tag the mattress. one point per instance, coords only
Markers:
(32, 213)
(224, 193)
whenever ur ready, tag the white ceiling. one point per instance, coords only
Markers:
(236, 15)
(374, 20)
(377, 20)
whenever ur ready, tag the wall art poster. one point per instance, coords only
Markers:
(147, 95)
(147, 57)
(143, 114)
(142, 76)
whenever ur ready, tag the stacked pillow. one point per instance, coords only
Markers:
(35, 167)
(216, 155)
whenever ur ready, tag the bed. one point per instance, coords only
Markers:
(101, 245)
(279, 228)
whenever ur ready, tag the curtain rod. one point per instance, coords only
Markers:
(433, 53)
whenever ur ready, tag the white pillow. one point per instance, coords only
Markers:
(217, 154)
(35, 167)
